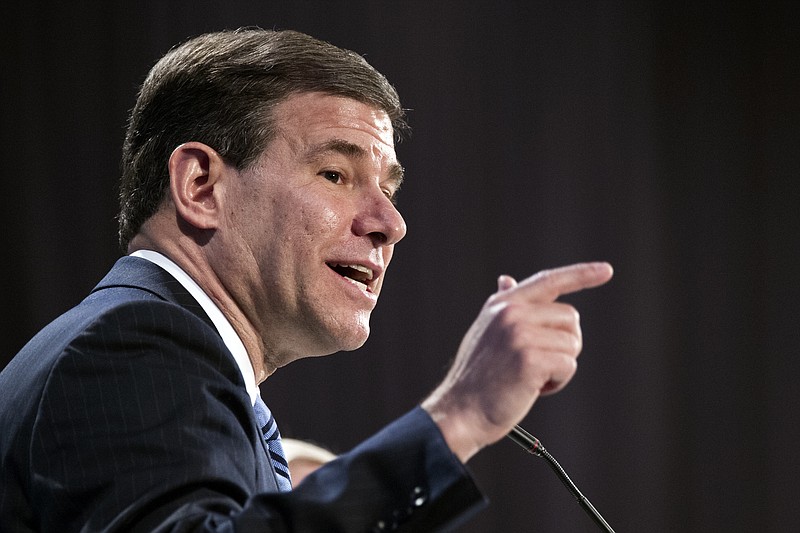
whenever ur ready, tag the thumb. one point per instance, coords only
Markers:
(505, 282)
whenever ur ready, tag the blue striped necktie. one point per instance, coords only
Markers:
(272, 437)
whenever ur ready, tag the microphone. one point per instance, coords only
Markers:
(533, 446)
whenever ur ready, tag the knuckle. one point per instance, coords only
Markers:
(508, 315)
(572, 366)
(545, 276)
(573, 314)
(576, 344)
(538, 377)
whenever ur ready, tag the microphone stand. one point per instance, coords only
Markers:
(532, 445)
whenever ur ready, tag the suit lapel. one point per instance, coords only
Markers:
(139, 273)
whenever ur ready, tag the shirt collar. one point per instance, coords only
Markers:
(229, 336)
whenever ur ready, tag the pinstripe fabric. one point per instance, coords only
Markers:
(128, 393)
(128, 414)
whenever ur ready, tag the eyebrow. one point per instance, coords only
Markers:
(353, 151)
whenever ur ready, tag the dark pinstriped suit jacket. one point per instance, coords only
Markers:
(128, 413)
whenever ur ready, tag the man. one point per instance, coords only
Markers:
(259, 175)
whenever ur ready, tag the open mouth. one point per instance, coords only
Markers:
(359, 275)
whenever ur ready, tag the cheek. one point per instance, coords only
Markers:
(318, 220)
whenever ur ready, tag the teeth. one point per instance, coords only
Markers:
(358, 284)
(360, 268)
(358, 275)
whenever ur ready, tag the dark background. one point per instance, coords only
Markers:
(662, 137)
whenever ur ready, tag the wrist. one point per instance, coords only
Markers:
(453, 424)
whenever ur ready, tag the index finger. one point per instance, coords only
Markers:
(548, 285)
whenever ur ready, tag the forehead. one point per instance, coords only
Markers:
(309, 118)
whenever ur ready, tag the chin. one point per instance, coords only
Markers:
(352, 338)
(335, 337)
(354, 342)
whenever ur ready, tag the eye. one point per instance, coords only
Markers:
(391, 195)
(331, 175)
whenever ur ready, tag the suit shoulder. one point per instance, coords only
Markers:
(118, 324)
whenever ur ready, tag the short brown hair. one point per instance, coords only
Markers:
(220, 89)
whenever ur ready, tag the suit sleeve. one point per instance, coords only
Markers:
(145, 425)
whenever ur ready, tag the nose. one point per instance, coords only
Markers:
(379, 219)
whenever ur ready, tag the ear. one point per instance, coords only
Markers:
(196, 173)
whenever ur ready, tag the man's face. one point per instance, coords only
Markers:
(314, 226)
